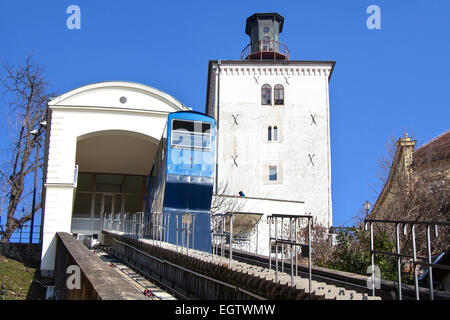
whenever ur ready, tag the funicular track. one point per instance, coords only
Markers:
(148, 285)
(169, 285)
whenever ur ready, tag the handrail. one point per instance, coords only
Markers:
(399, 255)
(292, 241)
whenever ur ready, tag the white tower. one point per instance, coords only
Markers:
(273, 124)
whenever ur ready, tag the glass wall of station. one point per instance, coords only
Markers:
(101, 195)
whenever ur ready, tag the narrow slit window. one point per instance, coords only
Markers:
(266, 95)
(272, 173)
(279, 95)
(269, 133)
(275, 133)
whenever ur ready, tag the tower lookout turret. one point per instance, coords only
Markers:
(264, 30)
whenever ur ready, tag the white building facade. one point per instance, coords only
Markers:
(274, 149)
(273, 129)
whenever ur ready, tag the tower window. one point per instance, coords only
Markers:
(279, 94)
(266, 95)
(272, 173)
(272, 133)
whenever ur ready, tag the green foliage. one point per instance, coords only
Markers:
(17, 281)
(352, 253)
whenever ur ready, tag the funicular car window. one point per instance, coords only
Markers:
(191, 134)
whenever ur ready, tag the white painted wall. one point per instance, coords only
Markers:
(85, 112)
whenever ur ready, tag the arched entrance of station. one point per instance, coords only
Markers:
(113, 167)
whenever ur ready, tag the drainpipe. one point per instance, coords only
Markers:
(48, 119)
(217, 111)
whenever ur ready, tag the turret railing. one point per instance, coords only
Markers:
(266, 50)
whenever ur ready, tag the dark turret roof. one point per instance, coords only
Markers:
(257, 15)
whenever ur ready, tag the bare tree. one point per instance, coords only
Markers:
(320, 243)
(416, 188)
(27, 89)
(224, 202)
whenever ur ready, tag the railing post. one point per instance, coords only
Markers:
(416, 279)
(292, 253)
(276, 251)
(282, 244)
(269, 221)
(231, 240)
(296, 247)
(177, 233)
(399, 262)
(188, 233)
(309, 257)
(372, 257)
(430, 268)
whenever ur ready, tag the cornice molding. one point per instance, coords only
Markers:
(275, 71)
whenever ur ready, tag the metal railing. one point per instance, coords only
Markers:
(129, 224)
(289, 238)
(220, 236)
(369, 223)
(154, 226)
(186, 231)
(266, 49)
(159, 225)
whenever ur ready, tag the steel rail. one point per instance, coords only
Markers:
(158, 282)
(137, 284)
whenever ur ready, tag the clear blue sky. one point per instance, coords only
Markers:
(385, 81)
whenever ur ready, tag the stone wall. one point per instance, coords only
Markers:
(97, 281)
(28, 253)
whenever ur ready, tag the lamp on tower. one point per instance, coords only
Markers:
(264, 31)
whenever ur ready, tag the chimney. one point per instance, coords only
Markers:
(405, 148)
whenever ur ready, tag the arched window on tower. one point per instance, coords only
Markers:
(269, 133)
(279, 94)
(266, 95)
(275, 133)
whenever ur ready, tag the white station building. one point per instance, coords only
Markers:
(273, 152)
(100, 145)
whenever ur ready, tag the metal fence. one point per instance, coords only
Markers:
(23, 234)
(404, 225)
(287, 240)
(220, 235)
(129, 224)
